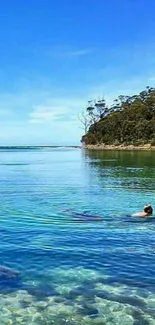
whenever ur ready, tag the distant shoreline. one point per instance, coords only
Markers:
(37, 147)
(147, 147)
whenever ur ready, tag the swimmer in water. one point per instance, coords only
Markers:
(147, 212)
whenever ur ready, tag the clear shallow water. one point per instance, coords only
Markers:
(73, 270)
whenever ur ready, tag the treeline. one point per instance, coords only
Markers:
(129, 120)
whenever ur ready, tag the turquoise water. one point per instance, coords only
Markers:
(73, 269)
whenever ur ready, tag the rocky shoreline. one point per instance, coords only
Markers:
(117, 147)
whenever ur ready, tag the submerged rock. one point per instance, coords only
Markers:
(41, 291)
(89, 310)
(6, 272)
(123, 299)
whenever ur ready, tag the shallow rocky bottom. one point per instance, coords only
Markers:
(80, 296)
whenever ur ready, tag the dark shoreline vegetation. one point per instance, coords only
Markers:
(130, 120)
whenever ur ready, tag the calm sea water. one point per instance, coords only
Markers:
(73, 269)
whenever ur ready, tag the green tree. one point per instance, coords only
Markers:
(130, 119)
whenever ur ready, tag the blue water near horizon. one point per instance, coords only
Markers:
(73, 270)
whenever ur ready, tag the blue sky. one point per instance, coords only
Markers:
(57, 55)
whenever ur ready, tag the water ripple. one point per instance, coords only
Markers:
(65, 227)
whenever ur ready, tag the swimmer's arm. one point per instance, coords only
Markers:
(141, 214)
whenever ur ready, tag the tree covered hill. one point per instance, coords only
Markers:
(130, 120)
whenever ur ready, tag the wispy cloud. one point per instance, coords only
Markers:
(67, 52)
(79, 52)
(56, 110)
(151, 78)
(111, 89)
(43, 114)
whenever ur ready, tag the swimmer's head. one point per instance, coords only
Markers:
(148, 209)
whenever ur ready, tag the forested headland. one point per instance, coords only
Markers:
(129, 120)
